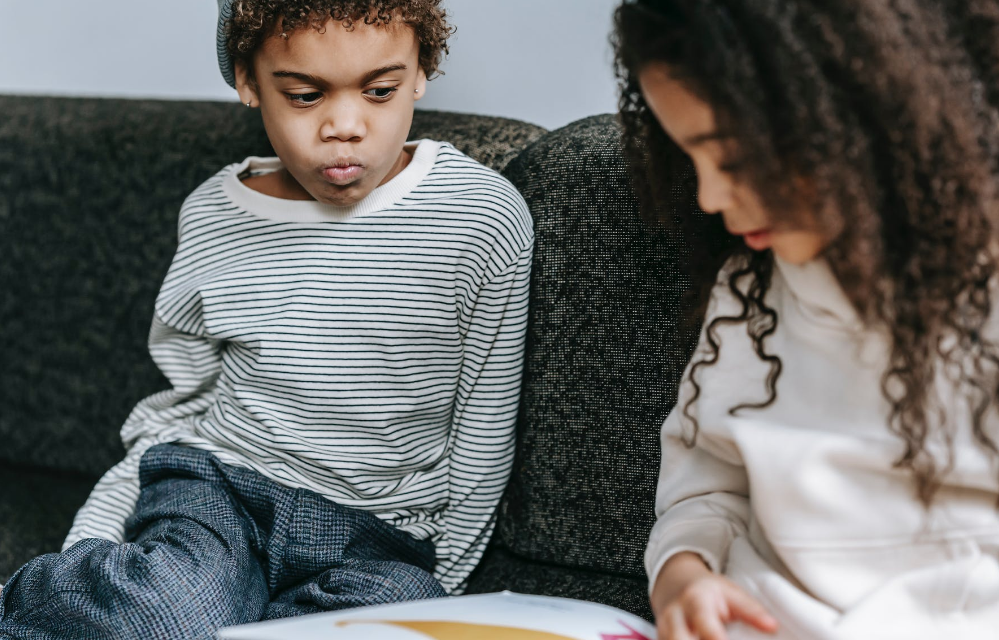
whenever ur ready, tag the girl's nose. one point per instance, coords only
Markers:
(714, 192)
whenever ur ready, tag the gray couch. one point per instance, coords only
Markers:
(89, 194)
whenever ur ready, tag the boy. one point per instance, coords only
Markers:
(343, 329)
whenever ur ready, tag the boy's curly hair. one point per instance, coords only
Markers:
(253, 21)
(888, 110)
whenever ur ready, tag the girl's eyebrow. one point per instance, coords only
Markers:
(708, 136)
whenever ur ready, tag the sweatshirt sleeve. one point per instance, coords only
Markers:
(485, 413)
(702, 497)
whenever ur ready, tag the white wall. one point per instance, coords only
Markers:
(544, 61)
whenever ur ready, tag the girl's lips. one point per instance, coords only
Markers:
(343, 175)
(757, 240)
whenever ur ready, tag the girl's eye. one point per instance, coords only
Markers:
(732, 166)
(304, 99)
(381, 93)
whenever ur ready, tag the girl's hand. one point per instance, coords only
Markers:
(690, 602)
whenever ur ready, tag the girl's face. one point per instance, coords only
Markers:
(690, 122)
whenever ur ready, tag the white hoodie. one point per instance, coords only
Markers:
(800, 503)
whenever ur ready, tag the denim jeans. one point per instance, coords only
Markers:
(209, 546)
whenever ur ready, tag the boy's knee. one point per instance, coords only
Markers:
(192, 569)
(416, 583)
(387, 581)
(356, 583)
(159, 588)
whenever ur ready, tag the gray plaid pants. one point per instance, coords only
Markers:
(209, 546)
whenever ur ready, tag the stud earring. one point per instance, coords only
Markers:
(417, 90)
(247, 103)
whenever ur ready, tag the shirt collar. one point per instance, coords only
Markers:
(816, 288)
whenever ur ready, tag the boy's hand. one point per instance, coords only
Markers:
(692, 603)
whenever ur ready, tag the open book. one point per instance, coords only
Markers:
(493, 616)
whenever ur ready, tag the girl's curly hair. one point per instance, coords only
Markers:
(253, 21)
(889, 111)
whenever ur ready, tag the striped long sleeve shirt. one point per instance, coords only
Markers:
(370, 353)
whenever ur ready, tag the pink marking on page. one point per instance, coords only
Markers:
(632, 634)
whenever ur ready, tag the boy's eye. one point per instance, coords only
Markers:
(381, 93)
(304, 98)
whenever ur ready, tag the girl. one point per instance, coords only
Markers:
(831, 469)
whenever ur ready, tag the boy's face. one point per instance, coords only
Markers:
(337, 106)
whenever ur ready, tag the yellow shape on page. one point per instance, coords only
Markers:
(443, 630)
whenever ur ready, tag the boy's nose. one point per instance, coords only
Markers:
(341, 123)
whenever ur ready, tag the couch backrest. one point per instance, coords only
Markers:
(603, 356)
(89, 195)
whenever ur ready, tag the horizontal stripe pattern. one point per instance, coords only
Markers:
(374, 358)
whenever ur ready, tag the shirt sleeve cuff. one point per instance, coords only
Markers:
(710, 539)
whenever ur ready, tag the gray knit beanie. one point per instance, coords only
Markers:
(225, 62)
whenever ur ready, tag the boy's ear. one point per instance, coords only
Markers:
(246, 87)
(421, 84)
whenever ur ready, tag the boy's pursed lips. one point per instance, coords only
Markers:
(343, 171)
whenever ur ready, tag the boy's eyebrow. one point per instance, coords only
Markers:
(389, 68)
(304, 77)
(368, 77)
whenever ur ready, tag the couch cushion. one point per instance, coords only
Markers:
(36, 511)
(89, 195)
(501, 570)
(604, 356)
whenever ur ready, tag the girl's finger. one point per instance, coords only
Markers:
(706, 622)
(664, 625)
(743, 607)
(676, 625)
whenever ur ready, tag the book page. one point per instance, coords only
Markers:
(495, 616)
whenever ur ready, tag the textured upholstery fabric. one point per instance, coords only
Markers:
(89, 195)
(492, 141)
(603, 357)
(501, 570)
(36, 509)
